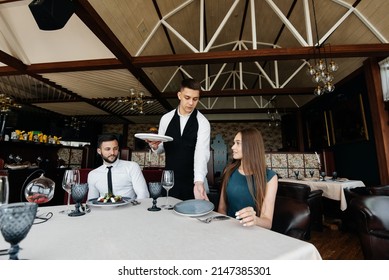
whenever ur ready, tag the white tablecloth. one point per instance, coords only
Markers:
(132, 232)
(331, 189)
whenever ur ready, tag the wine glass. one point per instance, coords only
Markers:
(334, 175)
(297, 173)
(78, 192)
(323, 175)
(311, 173)
(4, 189)
(16, 220)
(71, 177)
(155, 189)
(167, 182)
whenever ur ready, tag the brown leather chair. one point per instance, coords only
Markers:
(313, 199)
(379, 190)
(372, 223)
(348, 223)
(291, 217)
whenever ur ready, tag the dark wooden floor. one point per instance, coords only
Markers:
(334, 244)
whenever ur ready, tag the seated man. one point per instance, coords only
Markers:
(115, 177)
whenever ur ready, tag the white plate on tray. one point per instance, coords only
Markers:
(95, 203)
(193, 207)
(153, 137)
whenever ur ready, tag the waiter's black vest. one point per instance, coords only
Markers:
(180, 155)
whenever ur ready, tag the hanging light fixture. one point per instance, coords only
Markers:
(6, 103)
(322, 70)
(75, 123)
(135, 100)
(274, 118)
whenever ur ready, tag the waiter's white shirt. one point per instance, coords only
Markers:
(201, 155)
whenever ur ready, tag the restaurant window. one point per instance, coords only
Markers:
(384, 66)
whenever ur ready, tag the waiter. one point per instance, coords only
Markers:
(188, 154)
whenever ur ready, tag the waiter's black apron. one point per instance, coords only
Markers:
(179, 155)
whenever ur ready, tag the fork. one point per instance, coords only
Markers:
(210, 219)
(135, 202)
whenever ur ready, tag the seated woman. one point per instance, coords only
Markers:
(248, 187)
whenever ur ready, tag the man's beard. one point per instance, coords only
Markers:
(106, 159)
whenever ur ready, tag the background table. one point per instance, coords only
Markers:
(132, 232)
(331, 189)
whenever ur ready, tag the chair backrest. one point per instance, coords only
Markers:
(380, 190)
(294, 190)
(372, 220)
(291, 217)
(152, 175)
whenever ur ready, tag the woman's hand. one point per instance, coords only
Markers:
(247, 216)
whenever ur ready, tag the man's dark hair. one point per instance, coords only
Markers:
(105, 138)
(190, 83)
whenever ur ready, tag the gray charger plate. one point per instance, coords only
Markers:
(193, 207)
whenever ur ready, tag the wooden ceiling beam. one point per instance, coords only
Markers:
(249, 92)
(340, 51)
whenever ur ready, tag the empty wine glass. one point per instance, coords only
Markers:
(78, 192)
(16, 220)
(296, 174)
(323, 175)
(167, 182)
(71, 177)
(4, 189)
(311, 173)
(334, 175)
(155, 189)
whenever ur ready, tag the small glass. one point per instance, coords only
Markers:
(78, 193)
(323, 176)
(4, 189)
(155, 189)
(16, 221)
(311, 173)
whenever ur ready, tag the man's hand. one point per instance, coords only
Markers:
(153, 144)
(199, 191)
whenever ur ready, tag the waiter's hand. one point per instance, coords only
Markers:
(199, 191)
(153, 144)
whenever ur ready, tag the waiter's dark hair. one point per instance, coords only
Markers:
(105, 138)
(190, 83)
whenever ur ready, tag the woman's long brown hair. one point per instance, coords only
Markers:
(254, 164)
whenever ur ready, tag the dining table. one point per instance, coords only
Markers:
(332, 189)
(129, 231)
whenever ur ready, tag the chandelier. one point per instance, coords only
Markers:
(135, 100)
(6, 103)
(321, 70)
(274, 117)
(75, 123)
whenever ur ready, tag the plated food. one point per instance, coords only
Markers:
(109, 198)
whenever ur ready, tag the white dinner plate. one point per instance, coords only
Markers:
(95, 203)
(153, 137)
(193, 207)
